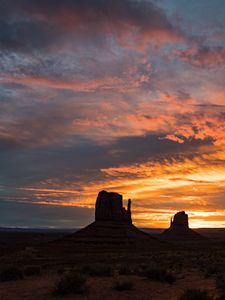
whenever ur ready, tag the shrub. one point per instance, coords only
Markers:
(10, 274)
(213, 270)
(160, 275)
(133, 270)
(62, 270)
(143, 268)
(124, 285)
(32, 271)
(98, 270)
(195, 294)
(125, 270)
(70, 283)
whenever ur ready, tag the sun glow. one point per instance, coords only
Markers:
(158, 190)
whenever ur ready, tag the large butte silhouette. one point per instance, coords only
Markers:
(179, 229)
(113, 224)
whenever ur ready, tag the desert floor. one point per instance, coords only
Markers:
(33, 271)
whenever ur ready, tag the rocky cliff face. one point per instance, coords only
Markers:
(109, 207)
(180, 219)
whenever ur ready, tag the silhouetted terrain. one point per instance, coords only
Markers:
(212, 233)
(111, 259)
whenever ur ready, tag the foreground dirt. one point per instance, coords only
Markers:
(40, 288)
(194, 266)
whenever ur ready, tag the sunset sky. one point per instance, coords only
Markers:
(127, 96)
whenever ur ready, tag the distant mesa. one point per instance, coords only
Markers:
(179, 229)
(112, 225)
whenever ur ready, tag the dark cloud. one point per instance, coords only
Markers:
(81, 163)
(153, 147)
(207, 57)
(6, 145)
(24, 35)
(39, 23)
(143, 14)
(36, 215)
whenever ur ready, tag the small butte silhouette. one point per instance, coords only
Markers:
(179, 229)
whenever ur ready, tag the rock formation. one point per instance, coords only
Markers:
(180, 219)
(109, 207)
(112, 227)
(179, 229)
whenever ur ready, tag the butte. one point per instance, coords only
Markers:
(112, 228)
(179, 230)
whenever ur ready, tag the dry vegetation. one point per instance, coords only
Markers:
(197, 274)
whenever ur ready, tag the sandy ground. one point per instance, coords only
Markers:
(40, 288)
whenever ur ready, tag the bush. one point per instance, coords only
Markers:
(132, 270)
(195, 294)
(98, 270)
(62, 270)
(125, 270)
(32, 271)
(10, 274)
(70, 283)
(160, 275)
(124, 285)
(213, 270)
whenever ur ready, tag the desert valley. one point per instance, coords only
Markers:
(112, 259)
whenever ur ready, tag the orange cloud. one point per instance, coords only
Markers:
(158, 188)
(76, 85)
(165, 115)
(155, 185)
